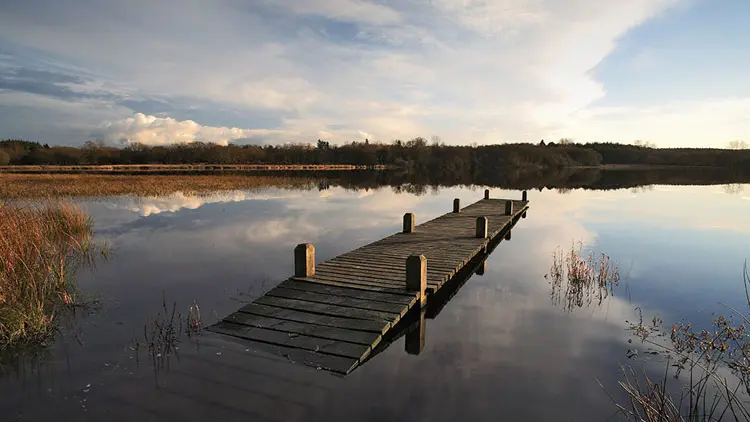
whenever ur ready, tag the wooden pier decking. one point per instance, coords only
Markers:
(332, 315)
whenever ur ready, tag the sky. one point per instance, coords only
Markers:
(669, 72)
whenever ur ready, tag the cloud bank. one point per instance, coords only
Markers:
(468, 71)
(152, 130)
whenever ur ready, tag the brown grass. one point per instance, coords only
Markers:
(41, 246)
(34, 186)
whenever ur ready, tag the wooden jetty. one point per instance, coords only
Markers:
(333, 315)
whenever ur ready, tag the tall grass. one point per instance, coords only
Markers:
(41, 246)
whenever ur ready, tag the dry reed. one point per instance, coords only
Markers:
(41, 246)
(714, 363)
(577, 280)
(35, 186)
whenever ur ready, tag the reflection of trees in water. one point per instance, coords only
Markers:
(577, 280)
(561, 179)
(733, 188)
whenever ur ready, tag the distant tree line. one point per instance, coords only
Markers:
(414, 155)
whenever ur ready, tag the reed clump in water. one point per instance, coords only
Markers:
(579, 280)
(41, 246)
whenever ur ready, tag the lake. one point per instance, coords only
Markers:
(500, 349)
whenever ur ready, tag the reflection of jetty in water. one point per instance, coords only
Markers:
(335, 314)
(414, 325)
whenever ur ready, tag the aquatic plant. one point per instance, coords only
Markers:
(579, 280)
(41, 247)
(713, 364)
(163, 332)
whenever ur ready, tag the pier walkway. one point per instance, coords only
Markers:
(332, 315)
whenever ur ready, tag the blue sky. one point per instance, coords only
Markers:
(669, 72)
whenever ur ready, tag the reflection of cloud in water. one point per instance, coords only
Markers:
(178, 201)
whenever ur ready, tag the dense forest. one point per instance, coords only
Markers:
(416, 155)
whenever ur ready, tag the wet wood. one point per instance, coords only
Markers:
(300, 341)
(313, 330)
(317, 319)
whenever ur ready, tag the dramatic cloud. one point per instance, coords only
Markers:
(152, 130)
(468, 71)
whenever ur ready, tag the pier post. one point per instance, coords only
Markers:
(524, 196)
(523, 215)
(507, 235)
(416, 275)
(481, 268)
(508, 207)
(415, 336)
(481, 227)
(456, 205)
(304, 260)
(409, 222)
(486, 194)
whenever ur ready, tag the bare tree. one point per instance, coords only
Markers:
(737, 144)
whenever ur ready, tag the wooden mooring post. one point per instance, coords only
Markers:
(304, 260)
(456, 205)
(482, 224)
(416, 276)
(409, 222)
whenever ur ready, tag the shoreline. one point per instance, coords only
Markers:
(129, 169)
(183, 168)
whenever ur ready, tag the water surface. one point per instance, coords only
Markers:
(500, 349)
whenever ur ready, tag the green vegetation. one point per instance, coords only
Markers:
(416, 155)
(40, 249)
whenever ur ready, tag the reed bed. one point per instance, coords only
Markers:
(41, 246)
(42, 186)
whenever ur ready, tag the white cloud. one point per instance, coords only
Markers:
(467, 70)
(347, 10)
(152, 130)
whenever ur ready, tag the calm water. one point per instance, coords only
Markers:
(499, 350)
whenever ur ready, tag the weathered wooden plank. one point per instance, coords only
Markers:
(358, 286)
(378, 265)
(360, 276)
(331, 310)
(344, 274)
(331, 363)
(338, 300)
(358, 281)
(388, 276)
(298, 341)
(310, 318)
(388, 261)
(348, 292)
(313, 330)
